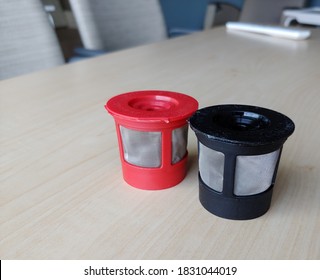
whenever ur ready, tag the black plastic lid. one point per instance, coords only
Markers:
(242, 125)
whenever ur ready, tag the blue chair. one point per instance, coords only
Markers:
(184, 16)
(235, 3)
(226, 10)
(313, 3)
(81, 53)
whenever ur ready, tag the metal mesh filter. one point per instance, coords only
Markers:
(254, 173)
(179, 143)
(141, 148)
(211, 165)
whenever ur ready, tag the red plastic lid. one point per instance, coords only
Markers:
(152, 106)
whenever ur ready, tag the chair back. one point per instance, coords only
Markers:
(118, 24)
(262, 11)
(27, 40)
(184, 16)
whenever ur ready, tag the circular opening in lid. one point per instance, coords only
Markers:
(153, 103)
(241, 120)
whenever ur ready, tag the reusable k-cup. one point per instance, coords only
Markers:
(239, 153)
(152, 132)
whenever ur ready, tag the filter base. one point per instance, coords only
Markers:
(236, 207)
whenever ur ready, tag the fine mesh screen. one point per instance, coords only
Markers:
(211, 165)
(254, 173)
(141, 148)
(179, 143)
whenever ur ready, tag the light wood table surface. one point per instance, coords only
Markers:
(62, 194)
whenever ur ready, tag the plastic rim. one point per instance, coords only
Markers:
(152, 106)
(242, 124)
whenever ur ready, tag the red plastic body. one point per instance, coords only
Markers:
(152, 110)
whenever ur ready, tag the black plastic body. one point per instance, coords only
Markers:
(234, 207)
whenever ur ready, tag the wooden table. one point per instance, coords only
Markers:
(62, 192)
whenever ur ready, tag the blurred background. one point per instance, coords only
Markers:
(38, 34)
(218, 13)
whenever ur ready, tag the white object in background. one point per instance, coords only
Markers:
(309, 16)
(276, 31)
